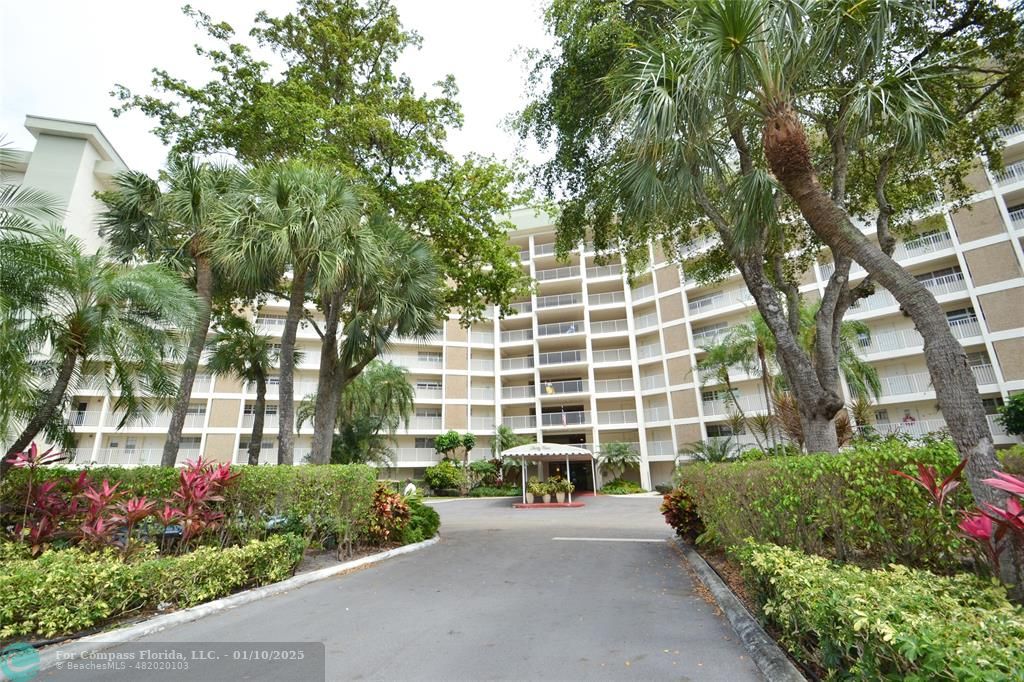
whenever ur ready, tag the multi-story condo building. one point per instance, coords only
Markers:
(591, 358)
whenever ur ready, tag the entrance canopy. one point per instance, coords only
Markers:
(541, 452)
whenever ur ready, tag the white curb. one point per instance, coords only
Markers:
(50, 656)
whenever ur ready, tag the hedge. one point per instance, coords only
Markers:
(424, 521)
(69, 590)
(894, 623)
(847, 506)
(322, 503)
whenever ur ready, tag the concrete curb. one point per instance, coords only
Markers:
(766, 654)
(72, 649)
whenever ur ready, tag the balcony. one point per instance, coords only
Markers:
(84, 418)
(301, 388)
(906, 384)
(155, 420)
(563, 357)
(130, 457)
(522, 363)
(946, 284)
(560, 328)
(609, 326)
(709, 336)
(1011, 174)
(616, 417)
(613, 386)
(557, 273)
(558, 300)
(649, 351)
(482, 423)
(563, 418)
(268, 456)
(517, 392)
(521, 308)
(481, 337)
(995, 427)
(644, 292)
(911, 428)
(607, 298)
(645, 321)
(984, 374)
(1017, 219)
(202, 383)
(424, 423)
(544, 249)
(563, 387)
(965, 328)
(415, 361)
(876, 301)
(748, 403)
(720, 300)
(612, 355)
(656, 414)
(269, 421)
(428, 393)
(524, 254)
(522, 421)
(517, 336)
(482, 393)
(652, 381)
(660, 448)
(195, 421)
(893, 340)
(599, 271)
(919, 246)
(416, 455)
(481, 364)
(1011, 130)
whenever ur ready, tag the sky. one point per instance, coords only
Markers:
(60, 59)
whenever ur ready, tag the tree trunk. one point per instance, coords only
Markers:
(45, 411)
(766, 389)
(196, 344)
(256, 438)
(325, 412)
(819, 433)
(788, 154)
(286, 390)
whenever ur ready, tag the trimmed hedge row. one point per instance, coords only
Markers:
(322, 503)
(896, 623)
(847, 506)
(65, 591)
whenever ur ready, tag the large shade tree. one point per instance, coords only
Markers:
(175, 220)
(761, 118)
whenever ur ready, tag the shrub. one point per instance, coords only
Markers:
(848, 506)
(1011, 415)
(681, 513)
(446, 474)
(69, 590)
(896, 623)
(494, 491)
(621, 486)
(483, 472)
(388, 517)
(424, 521)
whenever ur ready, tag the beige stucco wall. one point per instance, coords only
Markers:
(981, 219)
(456, 387)
(684, 404)
(675, 338)
(1010, 354)
(668, 278)
(455, 332)
(992, 263)
(671, 308)
(224, 413)
(688, 433)
(679, 370)
(1003, 309)
(456, 357)
(661, 472)
(976, 179)
(219, 447)
(456, 417)
(227, 384)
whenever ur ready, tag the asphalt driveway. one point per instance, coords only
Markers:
(555, 594)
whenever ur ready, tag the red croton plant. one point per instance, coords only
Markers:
(80, 511)
(988, 527)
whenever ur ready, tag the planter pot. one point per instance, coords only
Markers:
(529, 498)
(560, 496)
(547, 498)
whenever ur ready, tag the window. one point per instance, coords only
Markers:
(710, 396)
(190, 442)
(720, 431)
(196, 409)
(273, 381)
(424, 443)
(428, 411)
(430, 356)
(962, 315)
(863, 338)
(130, 444)
(428, 385)
(265, 445)
(882, 416)
(978, 359)
(270, 409)
(992, 405)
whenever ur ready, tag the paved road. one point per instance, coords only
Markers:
(500, 597)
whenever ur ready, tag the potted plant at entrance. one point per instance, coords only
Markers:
(563, 487)
(534, 488)
(546, 490)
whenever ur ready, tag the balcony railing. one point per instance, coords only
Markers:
(911, 427)
(415, 361)
(645, 321)
(613, 385)
(429, 393)
(656, 414)
(749, 403)
(420, 423)
(557, 328)
(660, 448)
(417, 455)
(562, 357)
(1011, 174)
(301, 388)
(646, 291)
(616, 417)
(893, 340)
(559, 300)
(195, 421)
(965, 328)
(562, 387)
(709, 337)
(995, 427)
(566, 418)
(544, 249)
(598, 271)
(877, 300)
(719, 300)
(517, 363)
(1011, 130)
(946, 284)
(524, 254)
(699, 244)
(156, 420)
(607, 298)
(904, 384)
(517, 392)
(268, 456)
(1017, 218)
(130, 457)
(651, 350)
(202, 383)
(984, 374)
(558, 273)
(269, 421)
(482, 393)
(609, 326)
(517, 336)
(520, 421)
(485, 422)
(612, 355)
(918, 246)
(521, 308)
(481, 364)
(84, 418)
(481, 337)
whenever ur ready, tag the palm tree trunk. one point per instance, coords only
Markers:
(204, 292)
(787, 151)
(286, 390)
(45, 411)
(256, 438)
(763, 362)
(325, 410)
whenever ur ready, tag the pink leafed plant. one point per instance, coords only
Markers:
(927, 478)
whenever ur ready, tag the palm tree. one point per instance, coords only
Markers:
(177, 224)
(301, 224)
(711, 450)
(616, 458)
(121, 319)
(237, 349)
(372, 408)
